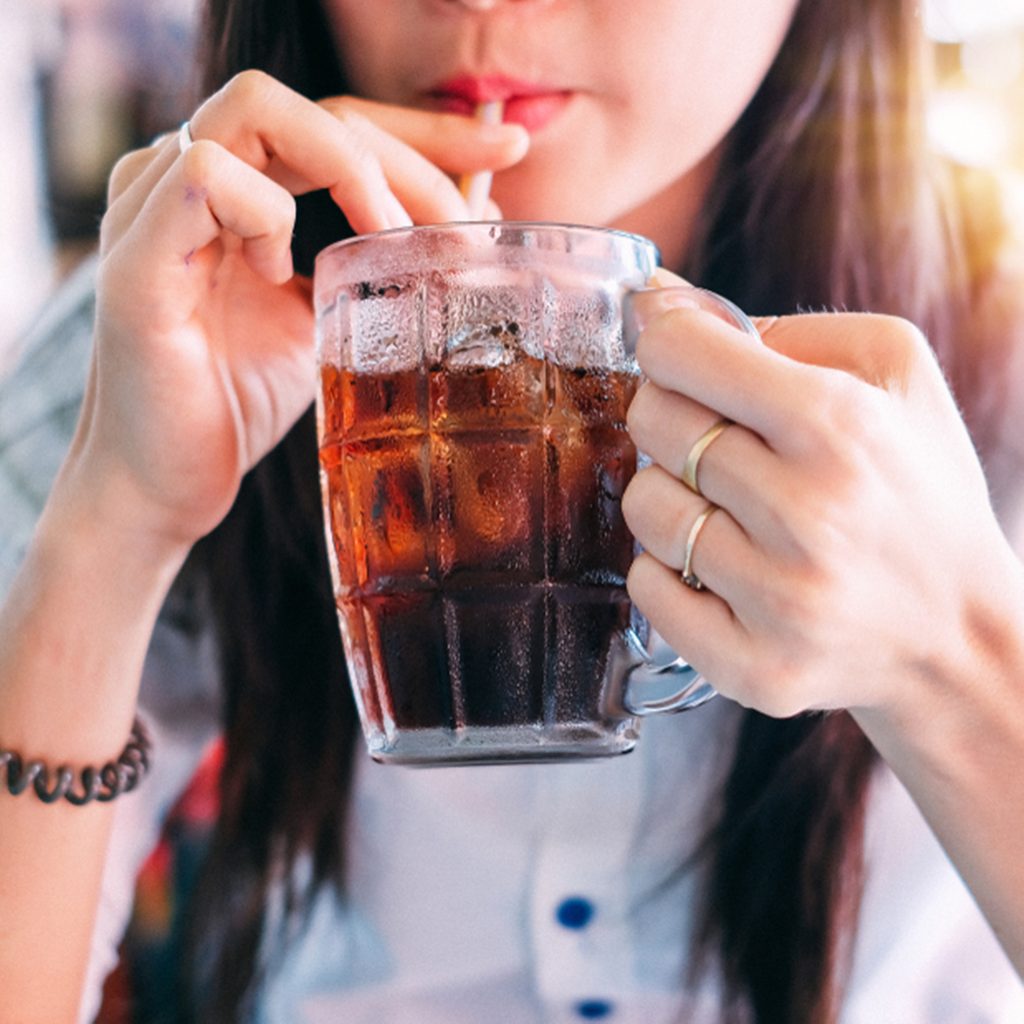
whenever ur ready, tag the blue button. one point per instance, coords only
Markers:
(594, 1009)
(574, 912)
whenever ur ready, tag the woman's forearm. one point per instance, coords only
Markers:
(73, 635)
(959, 750)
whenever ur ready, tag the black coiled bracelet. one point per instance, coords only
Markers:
(102, 784)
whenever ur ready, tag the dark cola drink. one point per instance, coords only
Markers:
(479, 551)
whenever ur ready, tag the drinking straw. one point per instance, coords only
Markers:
(477, 187)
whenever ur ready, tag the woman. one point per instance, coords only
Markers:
(774, 153)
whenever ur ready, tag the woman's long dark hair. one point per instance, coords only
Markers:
(826, 199)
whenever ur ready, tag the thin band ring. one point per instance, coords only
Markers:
(700, 446)
(185, 139)
(687, 575)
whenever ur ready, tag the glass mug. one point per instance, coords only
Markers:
(474, 382)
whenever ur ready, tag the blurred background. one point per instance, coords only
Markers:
(82, 81)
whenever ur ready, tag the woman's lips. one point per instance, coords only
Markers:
(526, 103)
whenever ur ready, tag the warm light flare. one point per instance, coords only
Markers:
(953, 21)
(970, 126)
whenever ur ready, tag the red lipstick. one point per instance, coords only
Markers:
(530, 104)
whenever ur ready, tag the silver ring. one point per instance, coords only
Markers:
(185, 139)
(687, 575)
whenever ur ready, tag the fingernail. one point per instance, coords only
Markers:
(650, 303)
(639, 308)
(661, 300)
(664, 278)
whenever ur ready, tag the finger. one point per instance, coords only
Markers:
(426, 192)
(698, 625)
(453, 142)
(660, 512)
(238, 199)
(665, 278)
(736, 470)
(133, 178)
(878, 349)
(279, 132)
(206, 195)
(130, 167)
(396, 136)
(881, 350)
(694, 353)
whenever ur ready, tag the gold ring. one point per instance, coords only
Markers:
(700, 446)
(687, 575)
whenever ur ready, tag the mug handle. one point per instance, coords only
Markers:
(692, 688)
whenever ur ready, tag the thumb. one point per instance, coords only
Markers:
(878, 349)
(709, 301)
(857, 343)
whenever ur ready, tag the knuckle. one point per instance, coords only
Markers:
(249, 87)
(904, 336)
(902, 350)
(791, 604)
(794, 528)
(634, 502)
(110, 231)
(125, 171)
(630, 505)
(859, 436)
(344, 109)
(776, 686)
(845, 429)
(631, 578)
(839, 409)
(200, 161)
(364, 162)
(786, 702)
(677, 526)
(288, 206)
(871, 440)
(348, 117)
(638, 579)
(817, 540)
(636, 415)
(439, 188)
(106, 235)
(284, 208)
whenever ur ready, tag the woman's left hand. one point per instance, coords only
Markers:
(853, 552)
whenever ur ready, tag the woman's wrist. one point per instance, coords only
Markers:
(975, 680)
(958, 747)
(75, 629)
(954, 719)
(102, 509)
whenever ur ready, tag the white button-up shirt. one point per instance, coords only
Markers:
(557, 894)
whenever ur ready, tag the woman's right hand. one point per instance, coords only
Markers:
(203, 354)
